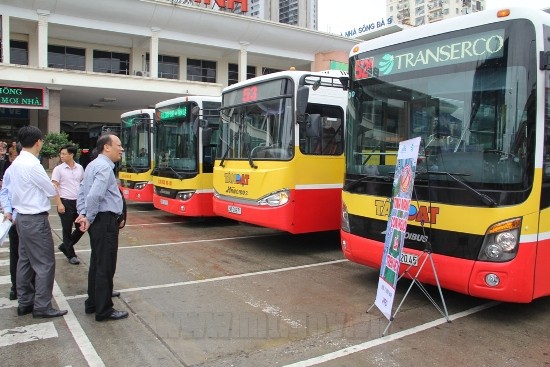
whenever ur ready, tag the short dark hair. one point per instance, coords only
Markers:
(102, 141)
(29, 135)
(71, 149)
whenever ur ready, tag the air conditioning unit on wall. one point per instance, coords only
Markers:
(141, 73)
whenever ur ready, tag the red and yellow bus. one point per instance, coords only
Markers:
(280, 163)
(136, 135)
(186, 134)
(476, 89)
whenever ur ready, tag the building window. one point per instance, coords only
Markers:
(111, 62)
(233, 74)
(62, 57)
(19, 52)
(168, 66)
(201, 71)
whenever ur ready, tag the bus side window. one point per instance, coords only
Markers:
(312, 133)
(332, 133)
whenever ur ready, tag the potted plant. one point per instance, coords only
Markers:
(50, 150)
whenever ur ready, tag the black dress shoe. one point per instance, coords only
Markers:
(13, 295)
(89, 310)
(51, 312)
(24, 310)
(115, 294)
(115, 315)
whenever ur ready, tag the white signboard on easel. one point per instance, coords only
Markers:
(397, 224)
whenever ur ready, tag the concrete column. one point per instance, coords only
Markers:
(6, 39)
(54, 113)
(154, 53)
(183, 68)
(89, 63)
(223, 71)
(243, 61)
(42, 31)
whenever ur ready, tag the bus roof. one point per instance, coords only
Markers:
(147, 111)
(188, 99)
(294, 74)
(449, 25)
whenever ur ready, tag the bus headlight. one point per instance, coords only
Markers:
(501, 241)
(345, 218)
(184, 195)
(140, 185)
(275, 199)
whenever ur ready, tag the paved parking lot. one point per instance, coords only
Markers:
(221, 293)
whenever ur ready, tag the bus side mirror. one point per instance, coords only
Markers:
(206, 136)
(199, 122)
(302, 97)
(545, 60)
(344, 80)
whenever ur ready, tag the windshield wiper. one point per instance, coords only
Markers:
(352, 184)
(249, 153)
(129, 165)
(173, 170)
(225, 155)
(487, 200)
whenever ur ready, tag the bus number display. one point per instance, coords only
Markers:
(250, 94)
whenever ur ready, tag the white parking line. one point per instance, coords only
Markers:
(218, 279)
(76, 330)
(6, 303)
(5, 279)
(137, 225)
(376, 342)
(187, 242)
(29, 333)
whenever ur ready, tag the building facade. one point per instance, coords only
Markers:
(76, 66)
(418, 12)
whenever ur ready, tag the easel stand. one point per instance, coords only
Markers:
(427, 254)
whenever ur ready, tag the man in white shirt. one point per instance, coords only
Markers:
(66, 178)
(31, 189)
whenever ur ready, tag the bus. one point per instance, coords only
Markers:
(280, 163)
(476, 89)
(186, 135)
(134, 173)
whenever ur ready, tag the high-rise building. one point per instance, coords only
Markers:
(419, 12)
(301, 13)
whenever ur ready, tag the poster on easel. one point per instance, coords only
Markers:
(403, 182)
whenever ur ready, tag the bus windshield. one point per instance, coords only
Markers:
(135, 136)
(176, 138)
(475, 115)
(262, 128)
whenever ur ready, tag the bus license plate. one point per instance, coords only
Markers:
(164, 202)
(409, 259)
(234, 209)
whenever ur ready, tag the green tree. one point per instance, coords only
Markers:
(52, 143)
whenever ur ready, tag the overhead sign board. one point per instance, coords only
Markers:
(24, 97)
